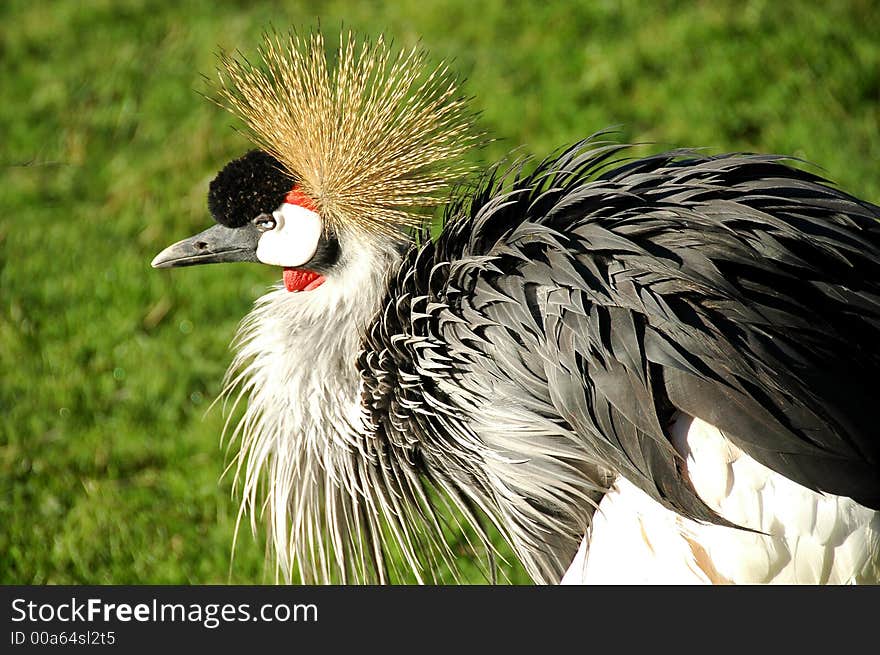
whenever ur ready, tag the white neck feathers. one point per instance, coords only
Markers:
(295, 363)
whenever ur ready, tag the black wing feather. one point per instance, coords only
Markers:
(602, 299)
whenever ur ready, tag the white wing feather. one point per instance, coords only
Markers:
(804, 537)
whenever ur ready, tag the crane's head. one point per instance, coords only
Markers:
(348, 157)
(262, 216)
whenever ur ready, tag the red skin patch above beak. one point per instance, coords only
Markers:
(296, 197)
(298, 279)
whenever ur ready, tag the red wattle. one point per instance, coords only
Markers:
(297, 279)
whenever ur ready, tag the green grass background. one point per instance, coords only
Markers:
(110, 469)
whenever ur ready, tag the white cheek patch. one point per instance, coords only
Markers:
(294, 240)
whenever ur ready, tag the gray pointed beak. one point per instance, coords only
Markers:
(217, 244)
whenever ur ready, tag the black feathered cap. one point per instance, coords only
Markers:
(247, 187)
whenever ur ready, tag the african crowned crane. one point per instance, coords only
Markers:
(639, 370)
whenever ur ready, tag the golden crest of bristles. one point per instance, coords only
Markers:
(374, 141)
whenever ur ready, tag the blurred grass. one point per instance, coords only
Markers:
(109, 466)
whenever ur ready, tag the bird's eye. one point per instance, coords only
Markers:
(265, 222)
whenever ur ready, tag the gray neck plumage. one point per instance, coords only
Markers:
(304, 459)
